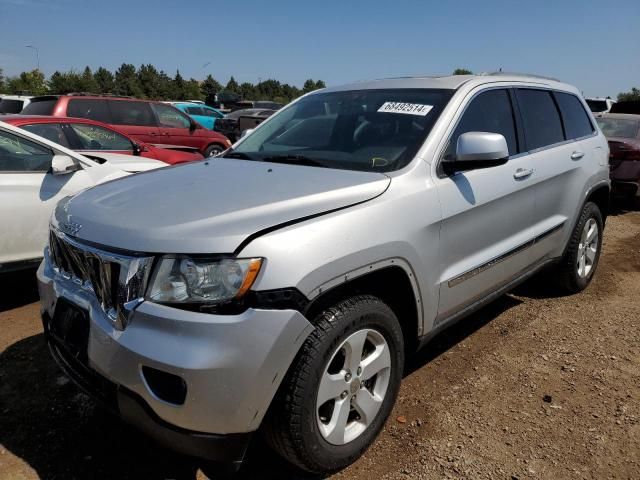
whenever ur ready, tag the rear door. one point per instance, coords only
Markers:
(560, 138)
(136, 119)
(28, 195)
(487, 213)
(175, 127)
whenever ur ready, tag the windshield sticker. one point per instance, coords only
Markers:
(406, 108)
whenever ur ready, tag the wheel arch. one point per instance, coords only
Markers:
(600, 195)
(391, 280)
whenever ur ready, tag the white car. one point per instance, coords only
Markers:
(599, 104)
(14, 103)
(34, 175)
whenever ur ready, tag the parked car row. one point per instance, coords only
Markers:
(88, 136)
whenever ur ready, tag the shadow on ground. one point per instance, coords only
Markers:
(18, 289)
(47, 422)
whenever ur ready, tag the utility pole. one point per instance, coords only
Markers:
(37, 55)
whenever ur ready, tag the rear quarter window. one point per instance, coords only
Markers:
(40, 107)
(91, 109)
(540, 118)
(575, 118)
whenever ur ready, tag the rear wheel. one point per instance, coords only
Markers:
(583, 252)
(341, 387)
(213, 150)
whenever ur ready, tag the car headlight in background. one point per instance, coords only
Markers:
(184, 279)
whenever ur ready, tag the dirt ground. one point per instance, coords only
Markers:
(534, 386)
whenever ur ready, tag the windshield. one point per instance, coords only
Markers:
(368, 130)
(618, 127)
(597, 105)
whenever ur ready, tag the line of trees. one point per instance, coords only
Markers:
(148, 82)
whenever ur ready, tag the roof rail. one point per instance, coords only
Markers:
(519, 74)
(89, 94)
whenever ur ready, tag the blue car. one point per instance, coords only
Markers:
(203, 114)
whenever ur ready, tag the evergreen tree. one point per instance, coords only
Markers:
(177, 87)
(210, 86)
(88, 82)
(126, 81)
(104, 80)
(232, 85)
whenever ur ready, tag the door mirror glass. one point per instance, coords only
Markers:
(478, 150)
(63, 164)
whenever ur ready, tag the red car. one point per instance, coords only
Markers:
(87, 136)
(623, 133)
(154, 123)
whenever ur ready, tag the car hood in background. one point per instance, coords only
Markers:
(211, 206)
(126, 163)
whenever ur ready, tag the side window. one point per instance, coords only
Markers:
(125, 112)
(576, 121)
(490, 111)
(194, 110)
(93, 137)
(50, 131)
(212, 113)
(171, 117)
(91, 109)
(18, 154)
(540, 118)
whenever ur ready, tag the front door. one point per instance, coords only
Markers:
(175, 127)
(28, 195)
(487, 213)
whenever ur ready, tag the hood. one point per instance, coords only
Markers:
(172, 155)
(210, 206)
(126, 163)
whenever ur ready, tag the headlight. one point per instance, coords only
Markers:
(184, 279)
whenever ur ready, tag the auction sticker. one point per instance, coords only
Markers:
(406, 108)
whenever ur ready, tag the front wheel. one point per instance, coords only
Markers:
(213, 150)
(340, 388)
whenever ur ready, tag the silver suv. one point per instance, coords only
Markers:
(280, 287)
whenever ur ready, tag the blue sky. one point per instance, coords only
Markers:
(592, 44)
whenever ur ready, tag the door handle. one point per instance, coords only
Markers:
(153, 133)
(522, 173)
(577, 155)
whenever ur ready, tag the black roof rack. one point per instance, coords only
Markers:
(89, 94)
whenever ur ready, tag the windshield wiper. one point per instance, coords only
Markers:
(294, 160)
(240, 155)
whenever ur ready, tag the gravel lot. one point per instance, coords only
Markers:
(534, 386)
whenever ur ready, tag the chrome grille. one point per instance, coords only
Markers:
(118, 281)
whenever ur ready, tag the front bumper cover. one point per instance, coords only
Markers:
(232, 365)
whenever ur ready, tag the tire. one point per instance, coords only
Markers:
(573, 275)
(300, 429)
(213, 150)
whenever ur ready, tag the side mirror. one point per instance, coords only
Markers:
(137, 149)
(193, 125)
(63, 164)
(246, 132)
(476, 150)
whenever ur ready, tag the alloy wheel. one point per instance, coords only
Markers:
(587, 248)
(353, 386)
